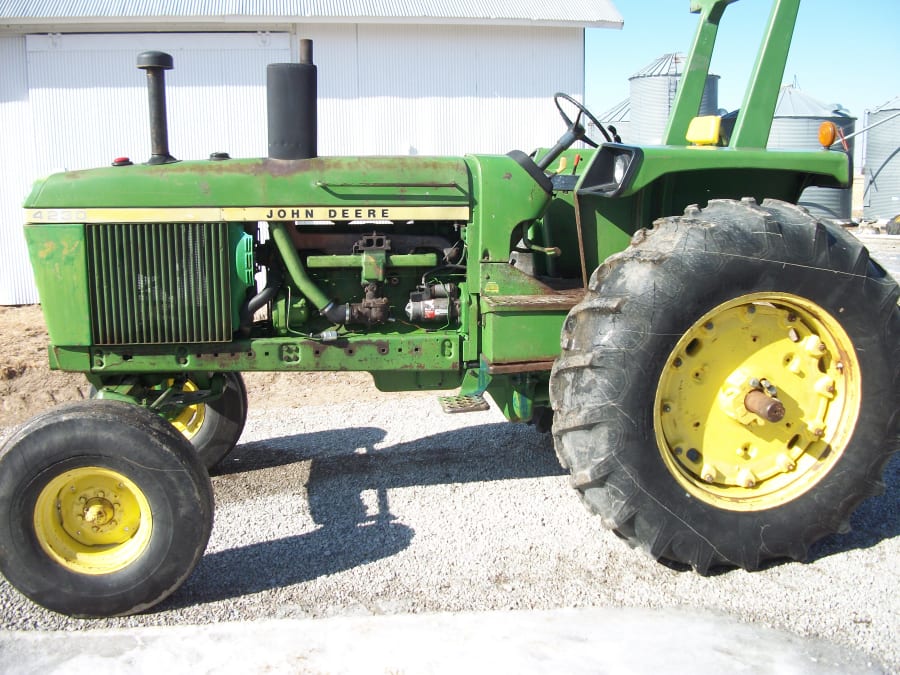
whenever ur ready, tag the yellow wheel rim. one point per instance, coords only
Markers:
(757, 401)
(189, 419)
(92, 520)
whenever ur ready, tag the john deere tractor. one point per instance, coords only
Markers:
(719, 369)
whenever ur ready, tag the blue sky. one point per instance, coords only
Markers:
(843, 51)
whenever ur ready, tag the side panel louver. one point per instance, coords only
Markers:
(156, 283)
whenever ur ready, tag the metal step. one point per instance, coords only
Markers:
(463, 403)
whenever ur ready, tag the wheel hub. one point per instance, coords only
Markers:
(99, 512)
(756, 399)
(92, 520)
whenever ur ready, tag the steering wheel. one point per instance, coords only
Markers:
(576, 127)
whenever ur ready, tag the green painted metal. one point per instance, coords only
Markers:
(418, 350)
(696, 70)
(58, 256)
(483, 224)
(751, 130)
(341, 182)
(372, 264)
(764, 168)
(294, 265)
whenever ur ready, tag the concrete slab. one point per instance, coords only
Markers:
(571, 641)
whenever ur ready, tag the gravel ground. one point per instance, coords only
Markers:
(391, 507)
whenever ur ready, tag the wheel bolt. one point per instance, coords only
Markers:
(746, 479)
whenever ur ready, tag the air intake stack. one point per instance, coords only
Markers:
(292, 100)
(156, 63)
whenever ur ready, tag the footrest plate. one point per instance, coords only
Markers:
(463, 403)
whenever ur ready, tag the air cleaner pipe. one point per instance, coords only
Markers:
(291, 107)
(155, 64)
(334, 313)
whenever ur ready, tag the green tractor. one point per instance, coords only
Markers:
(720, 369)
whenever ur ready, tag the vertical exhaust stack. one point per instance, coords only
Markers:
(156, 63)
(291, 98)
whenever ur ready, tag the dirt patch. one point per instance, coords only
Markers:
(28, 386)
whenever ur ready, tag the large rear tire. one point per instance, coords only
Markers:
(728, 389)
(104, 509)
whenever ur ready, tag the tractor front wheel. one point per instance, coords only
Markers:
(214, 428)
(728, 389)
(104, 509)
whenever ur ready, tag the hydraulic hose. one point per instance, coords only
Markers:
(338, 314)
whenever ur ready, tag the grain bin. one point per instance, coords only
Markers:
(653, 94)
(619, 117)
(881, 166)
(796, 126)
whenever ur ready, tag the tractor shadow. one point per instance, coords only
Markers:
(877, 519)
(347, 494)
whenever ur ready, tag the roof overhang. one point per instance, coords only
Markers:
(77, 15)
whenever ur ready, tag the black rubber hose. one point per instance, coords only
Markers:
(274, 279)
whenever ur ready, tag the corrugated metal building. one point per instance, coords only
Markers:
(881, 199)
(652, 98)
(796, 125)
(395, 77)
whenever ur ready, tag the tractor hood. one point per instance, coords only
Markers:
(321, 188)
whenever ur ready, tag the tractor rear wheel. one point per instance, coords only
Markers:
(728, 389)
(104, 509)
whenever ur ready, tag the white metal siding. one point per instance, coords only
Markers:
(383, 90)
(89, 101)
(16, 172)
(482, 89)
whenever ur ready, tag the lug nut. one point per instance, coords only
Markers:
(746, 479)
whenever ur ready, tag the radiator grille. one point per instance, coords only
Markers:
(159, 283)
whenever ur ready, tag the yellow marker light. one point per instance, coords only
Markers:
(704, 130)
(827, 134)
